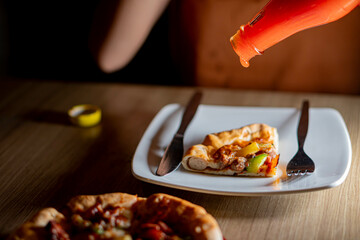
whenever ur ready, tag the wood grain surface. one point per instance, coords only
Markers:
(44, 160)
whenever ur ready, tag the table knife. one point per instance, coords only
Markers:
(175, 150)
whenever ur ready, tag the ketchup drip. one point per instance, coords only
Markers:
(280, 19)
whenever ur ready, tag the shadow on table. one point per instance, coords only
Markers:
(48, 116)
(105, 166)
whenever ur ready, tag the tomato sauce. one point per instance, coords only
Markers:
(280, 19)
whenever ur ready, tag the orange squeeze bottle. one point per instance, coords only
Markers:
(280, 19)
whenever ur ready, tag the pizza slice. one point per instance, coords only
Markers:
(122, 216)
(248, 151)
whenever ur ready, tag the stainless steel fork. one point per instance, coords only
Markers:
(301, 163)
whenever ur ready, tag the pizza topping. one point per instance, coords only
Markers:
(225, 155)
(198, 163)
(99, 222)
(256, 162)
(80, 222)
(272, 164)
(114, 223)
(152, 231)
(238, 164)
(57, 232)
(252, 148)
(156, 231)
(110, 216)
(251, 158)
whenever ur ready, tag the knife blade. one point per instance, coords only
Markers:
(175, 150)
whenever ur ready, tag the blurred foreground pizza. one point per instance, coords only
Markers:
(122, 216)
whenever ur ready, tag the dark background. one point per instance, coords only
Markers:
(49, 40)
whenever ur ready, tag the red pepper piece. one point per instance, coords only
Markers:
(57, 231)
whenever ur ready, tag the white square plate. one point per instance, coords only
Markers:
(327, 143)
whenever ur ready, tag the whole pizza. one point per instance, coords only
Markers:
(122, 216)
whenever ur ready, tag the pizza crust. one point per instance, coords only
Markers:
(199, 158)
(83, 202)
(185, 217)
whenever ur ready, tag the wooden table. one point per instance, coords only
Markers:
(44, 160)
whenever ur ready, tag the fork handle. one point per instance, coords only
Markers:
(303, 123)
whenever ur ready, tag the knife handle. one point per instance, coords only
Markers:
(190, 111)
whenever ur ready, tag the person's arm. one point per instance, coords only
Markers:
(115, 41)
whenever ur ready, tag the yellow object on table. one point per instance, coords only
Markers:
(85, 115)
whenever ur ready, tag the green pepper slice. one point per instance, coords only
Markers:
(256, 162)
